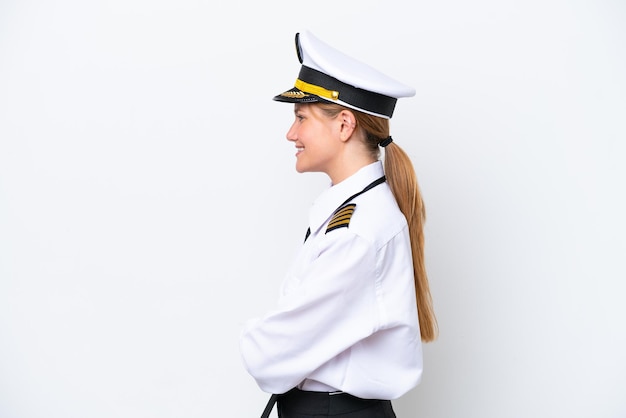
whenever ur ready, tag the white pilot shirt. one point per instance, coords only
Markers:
(346, 319)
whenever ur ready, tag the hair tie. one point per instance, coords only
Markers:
(385, 142)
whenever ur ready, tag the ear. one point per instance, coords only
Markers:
(348, 124)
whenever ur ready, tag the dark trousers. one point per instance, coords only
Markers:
(302, 404)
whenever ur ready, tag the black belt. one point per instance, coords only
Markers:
(298, 401)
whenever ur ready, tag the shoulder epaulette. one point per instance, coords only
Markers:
(341, 218)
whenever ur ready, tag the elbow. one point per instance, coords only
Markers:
(269, 375)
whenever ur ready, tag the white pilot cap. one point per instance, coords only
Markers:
(330, 75)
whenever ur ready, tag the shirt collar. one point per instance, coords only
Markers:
(331, 198)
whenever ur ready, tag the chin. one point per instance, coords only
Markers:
(301, 169)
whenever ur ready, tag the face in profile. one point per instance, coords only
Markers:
(315, 138)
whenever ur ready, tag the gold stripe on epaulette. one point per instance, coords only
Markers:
(341, 218)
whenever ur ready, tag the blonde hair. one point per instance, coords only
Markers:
(402, 180)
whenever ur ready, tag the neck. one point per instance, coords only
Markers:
(347, 167)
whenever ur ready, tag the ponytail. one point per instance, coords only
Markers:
(403, 183)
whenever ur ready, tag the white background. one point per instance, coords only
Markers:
(149, 203)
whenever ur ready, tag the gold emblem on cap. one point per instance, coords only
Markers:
(317, 90)
(294, 94)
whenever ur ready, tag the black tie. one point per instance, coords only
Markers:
(269, 406)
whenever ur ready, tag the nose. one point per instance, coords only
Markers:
(291, 133)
